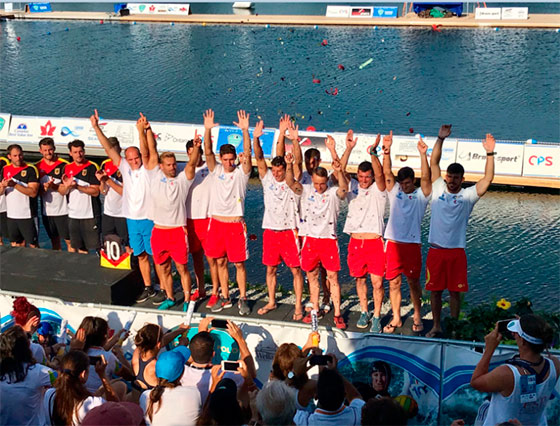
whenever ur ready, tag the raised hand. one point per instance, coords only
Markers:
(197, 140)
(444, 131)
(350, 140)
(142, 123)
(336, 165)
(490, 143)
(330, 143)
(293, 131)
(387, 142)
(289, 157)
(285, 122)
(79, 340)
(422, 147)
(100, 367)
(258, 132)
(243, 120)
(209, 119)
(234, 331)
(94, 119)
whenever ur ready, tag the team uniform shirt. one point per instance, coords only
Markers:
(3, 162)
(22, 401)
(319, 212)
(228, 192)
(19, 205)
(198, 200)
(81, 205)
(407, 212)
(366, 207)
(280, 204)
(201, 379)
(113, 203)
(169, 198)
(52, 202)
(179, 406)
(345, 415)
(450, 215)
(83, 407)
(136, 192)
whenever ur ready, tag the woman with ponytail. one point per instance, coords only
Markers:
(70, 401)
(28, 317)
(169, 403)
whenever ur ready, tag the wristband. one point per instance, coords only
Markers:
(490, 154)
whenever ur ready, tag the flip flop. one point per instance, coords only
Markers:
(297, 316)
(265, 310)
(390, 328)
(435, 334)
(417, 328)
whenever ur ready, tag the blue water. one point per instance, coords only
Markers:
(505, 82)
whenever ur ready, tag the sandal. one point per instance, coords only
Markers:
(266, 309)
(435, 334)
(297, 316)
(325, 308)
(417, 328)
(390, 328)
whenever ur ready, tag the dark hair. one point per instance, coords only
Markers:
(148, 337)
(202, 347)
(456, 169)
(13, 146)
(76, 144)
(536, 326)
(24, 311)
(46, 141)
(190, 145)
(221, 408)
(330, 390)
(115, 144)
(321, 172)
(365, 166)
(278, 162)
(383, 367)
(405, 173)
(15, 355)
(227, 149)
(312, 153)
(383, 411)
(283, 361)
(70, 391)
(96, 331)
(157, 392)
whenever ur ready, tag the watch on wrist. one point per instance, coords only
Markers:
(490, 154)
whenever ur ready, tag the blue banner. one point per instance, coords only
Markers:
(385, 11)
(40, 7)
(234, 136)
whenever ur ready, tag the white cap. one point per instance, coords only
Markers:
(515, 326)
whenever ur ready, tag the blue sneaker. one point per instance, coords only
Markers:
(185, 306)
(167, 304)
(375, 325)
(364, 320)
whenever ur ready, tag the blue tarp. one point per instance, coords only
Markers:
(456, 8)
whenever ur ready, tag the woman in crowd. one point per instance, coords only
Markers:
(522, 387)
(22, 380)
(28, 317)
(70, 401)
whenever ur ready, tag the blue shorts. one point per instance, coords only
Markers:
(139, 234)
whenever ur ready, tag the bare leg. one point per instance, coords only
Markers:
(144, 265)
(298, 289)
(271, 286)
(455, 303)
(313, 278)
(165, 280)
(241, 277)
(213, 274)
(198, 262)
(361, 289)
(221, 265)
(435, 299)
(325, 285)
(378, 293)
(332, 277)
(396, 297)
(186, 282)
(415, 294)
(69, 245)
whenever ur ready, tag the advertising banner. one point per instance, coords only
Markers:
(385, 12)
(508, 160)
(234, 136)
(488, 13)
(542, 160)
(159, 8)
(361, 12)
(515, 13)
(405, 151)
(174, 137)
(24, 129)
(4, 126)
(40, 7)
(338, 11)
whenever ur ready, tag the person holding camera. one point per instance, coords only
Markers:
(521, 388)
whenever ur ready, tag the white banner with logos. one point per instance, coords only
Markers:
(4, 126)
(159, 8)
(542, 160)
(405, 151)
(508, 160)
(515, 13)
(338, 11)
(488, 13)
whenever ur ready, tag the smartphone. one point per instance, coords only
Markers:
(93, 360)
(218, 323)
(502, 326)
(230, 365)
(319, 359)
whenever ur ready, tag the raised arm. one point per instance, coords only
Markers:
(294, 185)
(387, 162)
(208, 126)
(194, 158)
(152, 149)
(284, 125)
(483, 184)
(342, 179)
(425, 177)
(331, 146)
(296, 149)
(377, 169)
(141, 125)
(105, 182)
(112, 153)
(350, 145)
(444, 131)
(243, 124)
(259, 156)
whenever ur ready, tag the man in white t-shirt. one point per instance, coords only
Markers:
(446, 265)
(280, 222)
(135, 205)
(320, 206)
(227, 232)
(169, 192)
(364, 223)
(403, 251)
(198, 219)
(3, 208)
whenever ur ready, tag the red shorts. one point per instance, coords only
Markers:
(403, 258)
(281, 245)
(168, 243)
(446, 269)
(198, 230)
(366, 256)
(227, 239)
(320, 250)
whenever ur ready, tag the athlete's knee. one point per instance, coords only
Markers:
(377, 282)
(271, 270)
(395, 283)
(240, 265)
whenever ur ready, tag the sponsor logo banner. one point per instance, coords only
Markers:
(234, 136)
(385, 11)
(542, 160)
(508, 160)
(159, 8)
(4, 126)
(338, 11)
(405, 151)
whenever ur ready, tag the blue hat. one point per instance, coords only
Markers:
(170, 366)
(44, 328)
(184, 351)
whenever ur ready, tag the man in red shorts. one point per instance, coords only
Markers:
(227, 233)
(364, 223)
(320, 206)
(280, 222)
(403, 252)
(446, 265)
(169, 192)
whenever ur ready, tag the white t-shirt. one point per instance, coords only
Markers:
(80, 204)
(21, 403)
(366, 208)
(94, 382)
(83, 408)
(348, 415)
(169, 198)
(280, 204)
(136, 192)
(3, 206)
(112, 204)
(53, 203)
(179, 406)
(228, 192)
(198, 200)
(407, 212)
(201, 379)
(319, 212)
(19, 205)
(450, 215)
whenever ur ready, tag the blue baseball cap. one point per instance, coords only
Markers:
(170, 365)
(184, 351)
